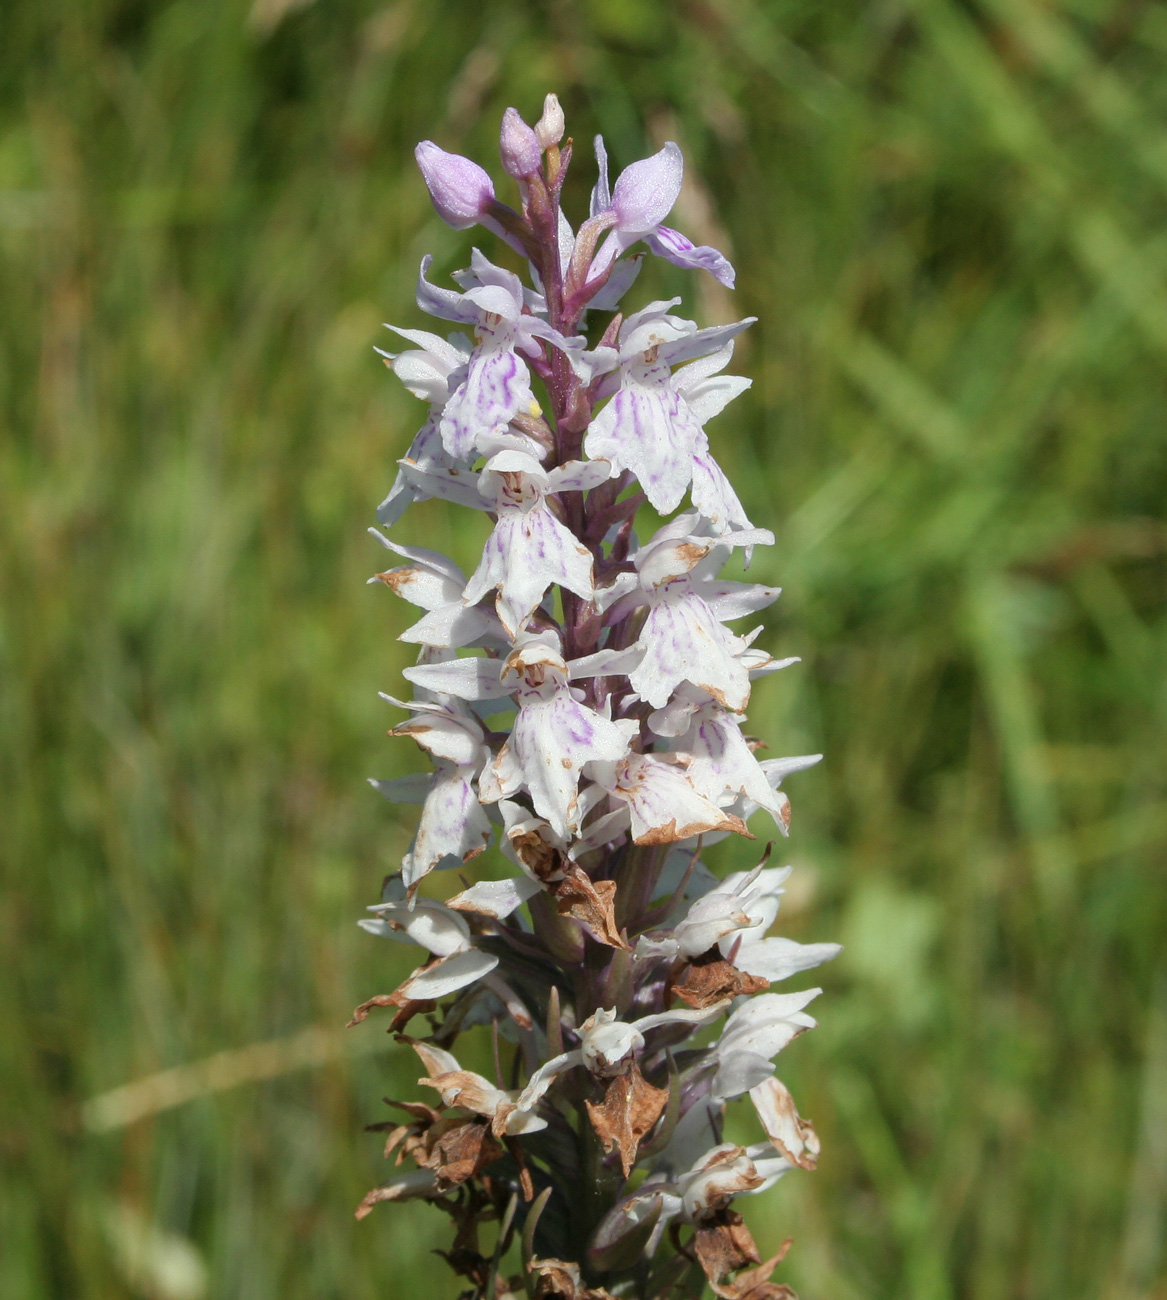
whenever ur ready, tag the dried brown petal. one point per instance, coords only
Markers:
(541, 858)
(418, 1109)
(464, 1088)
(559, 1280)
(396, 1137)
(672, 833)
(710, 978)
(724, 1173)
(416, 1146)
(403, 1187)
(407, 1008)
(754, 1284)
(763, 1291)
(792, 1136)
(723, 1245)
(630, 1108)
(461, 1151)
(362, 1012)
(407, 1136)
(592, 903)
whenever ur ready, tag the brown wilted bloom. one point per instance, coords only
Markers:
(630, 1108)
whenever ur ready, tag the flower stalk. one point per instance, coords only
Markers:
(626, 990)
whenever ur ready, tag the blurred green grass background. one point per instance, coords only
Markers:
(949, 216)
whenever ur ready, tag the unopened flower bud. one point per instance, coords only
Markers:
(550, 127)
(519, 146)
(459, 188)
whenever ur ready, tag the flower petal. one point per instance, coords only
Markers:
(731, 600)
(441, 356)
(722, 762)
(791, 1135)
(454, 626)
(551, 741)
(766, 1023)
(451, 482)
(524, 555)
(496, 898)
(699, 343)
(683, 641)
(681, 251)
(426, 454)
(497, 387)
(648, 430)
(446, 304)
(778, 958)
(404, 789)
(448, 975)
(645, 191)
(468, 679)
(453, 824)
(428, 923)
(448, 733)
(579, 475)
(713, 493)
(621, 279)
(663, 804)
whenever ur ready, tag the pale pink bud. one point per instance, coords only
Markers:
(519, 146)
(461, 191)
(550, 127)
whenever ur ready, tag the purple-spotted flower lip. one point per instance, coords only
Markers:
(530, 548)
(495, 385)
(648, 426)
(635, 209)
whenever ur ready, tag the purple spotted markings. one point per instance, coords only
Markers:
(580, 694)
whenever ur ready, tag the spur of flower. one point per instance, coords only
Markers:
(584, 1014)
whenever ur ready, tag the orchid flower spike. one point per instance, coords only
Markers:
(578, 709)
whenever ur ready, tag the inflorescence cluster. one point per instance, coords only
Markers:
(594, 730)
